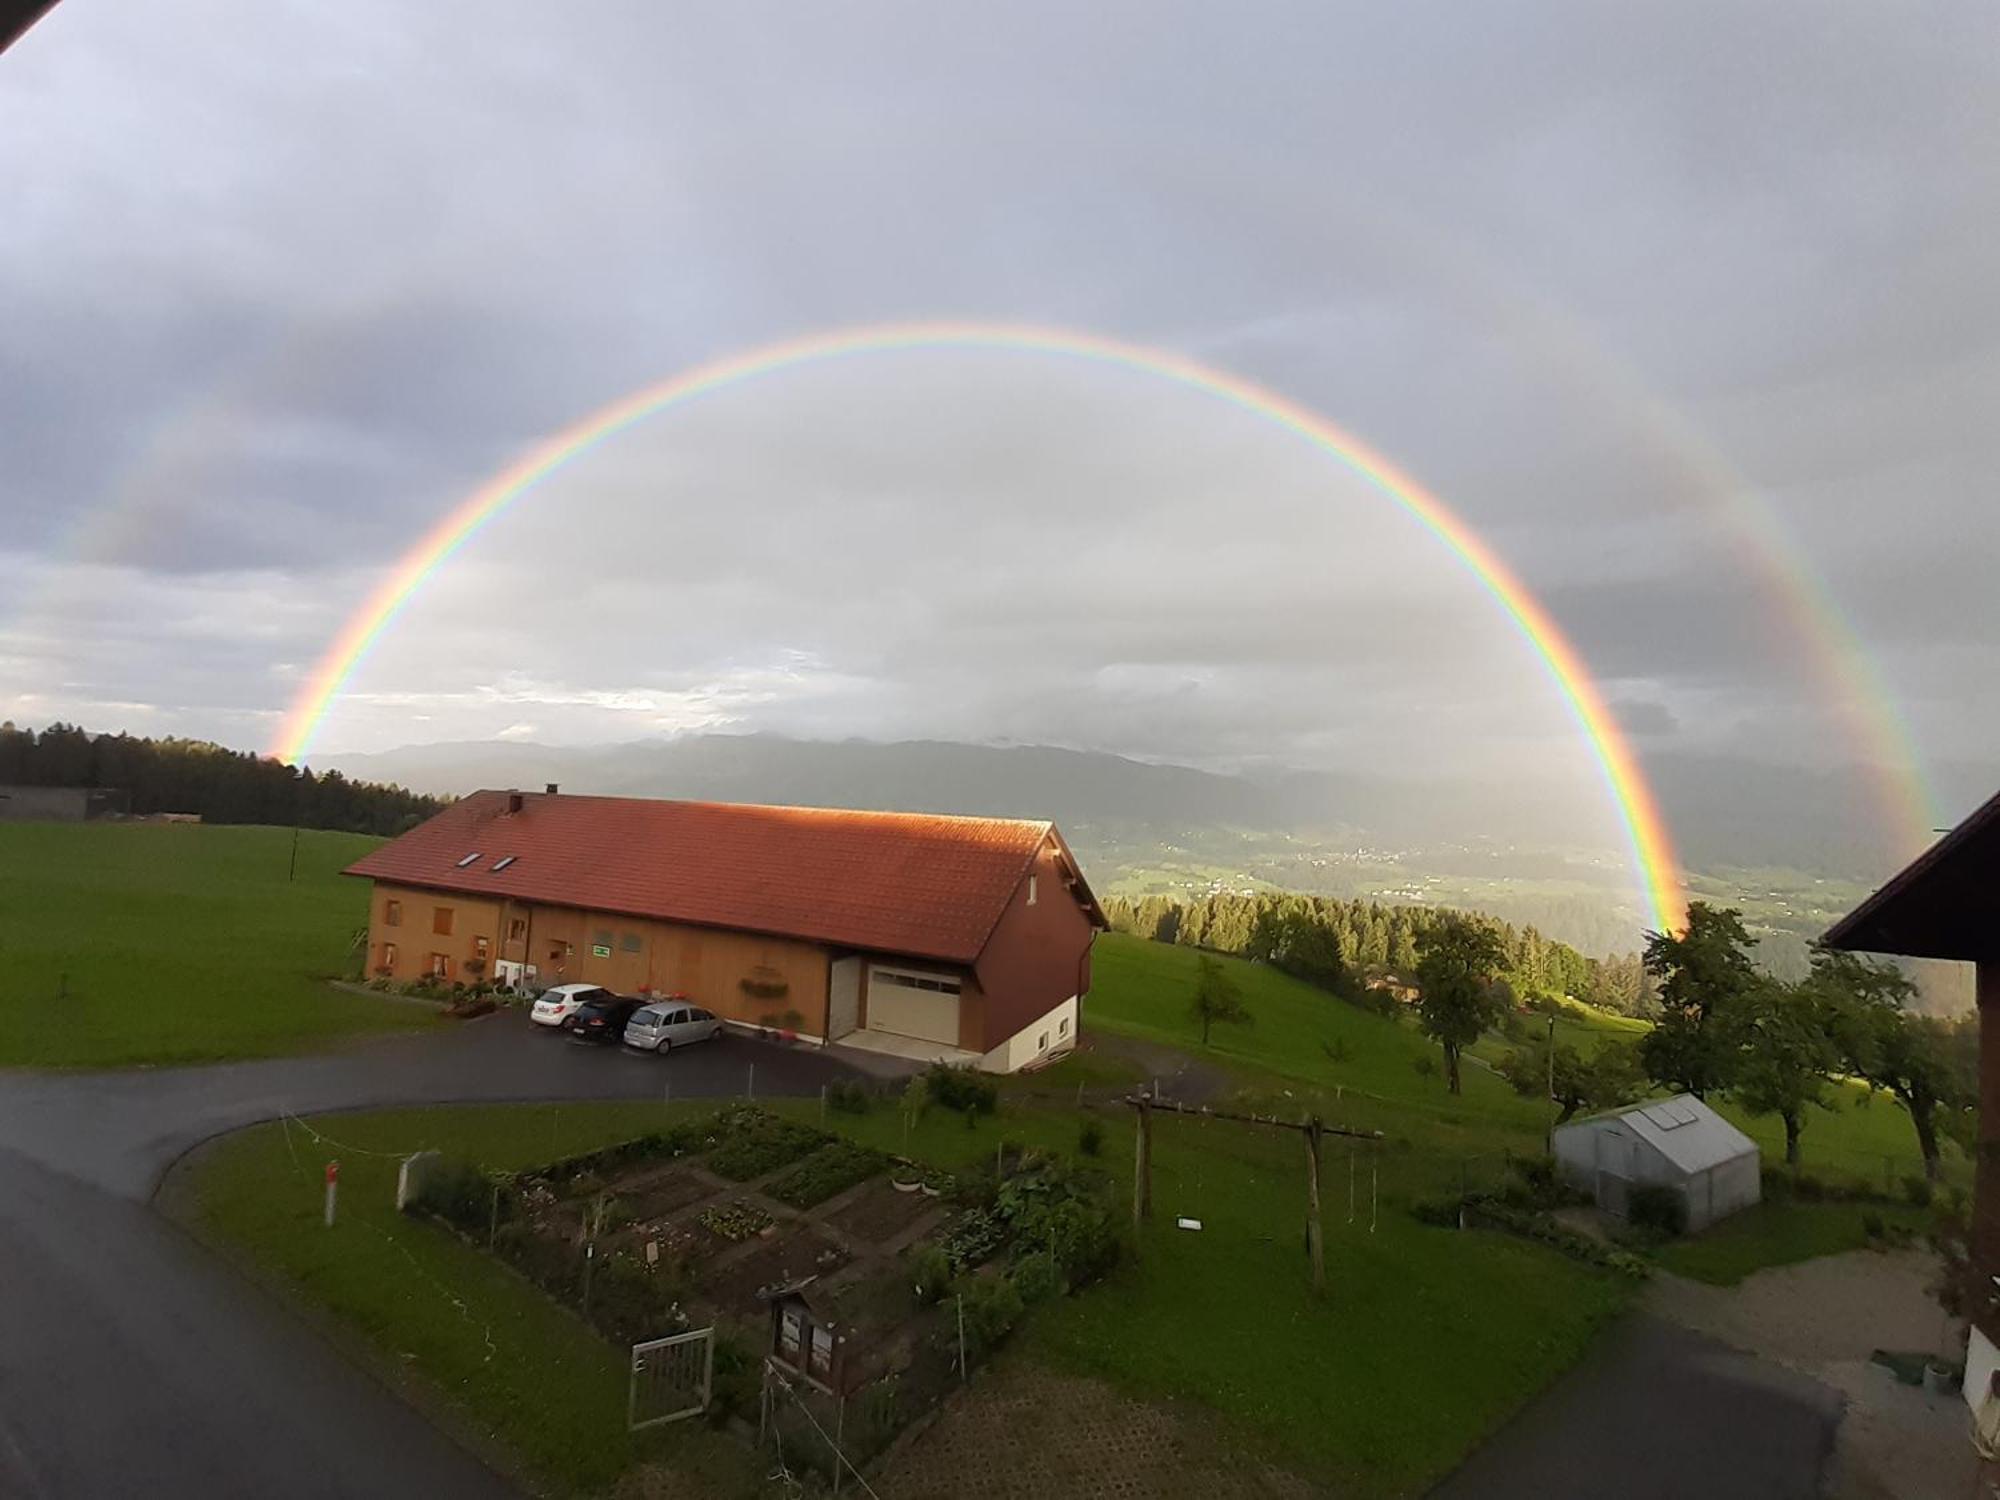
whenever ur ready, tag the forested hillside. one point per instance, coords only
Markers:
(193, 776)
(1341, 945)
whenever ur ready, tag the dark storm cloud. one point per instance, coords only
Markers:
(286, 298)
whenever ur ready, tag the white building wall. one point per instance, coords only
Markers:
(1982, 1362)
(1046, 1036)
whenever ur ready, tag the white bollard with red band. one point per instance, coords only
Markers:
(332, 1189)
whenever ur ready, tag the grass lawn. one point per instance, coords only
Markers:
(1778, 1234)
(177, 943)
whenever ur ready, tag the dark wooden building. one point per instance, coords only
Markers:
(1946, 904)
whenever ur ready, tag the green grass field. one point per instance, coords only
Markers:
(177, 943)
(1777, 1234)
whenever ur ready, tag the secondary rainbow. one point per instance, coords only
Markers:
(1654, 863)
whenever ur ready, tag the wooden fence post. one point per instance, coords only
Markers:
(1315, 1249)
(1142, 1166)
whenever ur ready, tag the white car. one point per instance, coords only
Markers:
(557, 1006)
(670, 1023)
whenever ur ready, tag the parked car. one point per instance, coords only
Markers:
(558, 1006)
(602, 1019)
(666, 1024)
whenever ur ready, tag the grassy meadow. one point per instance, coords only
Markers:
(132, 943)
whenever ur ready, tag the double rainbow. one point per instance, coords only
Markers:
(1652, 853)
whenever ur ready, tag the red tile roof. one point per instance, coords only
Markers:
(910, 883)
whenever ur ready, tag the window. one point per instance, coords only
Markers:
(1062, 1027)
(822, 1351)
(503, 861)
(441, 920)
(558, 952)
(392, 914)
(516, 930)
(1042, 1042)
(479, 948)
(388, 955)
(441, 965)
(472, 858)
(936, 984)
(1031, 890)
(601, 938)
(629, 942)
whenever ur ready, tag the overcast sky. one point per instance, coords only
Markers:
(281, 283)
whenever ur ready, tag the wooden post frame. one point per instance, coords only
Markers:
(1312, 1128)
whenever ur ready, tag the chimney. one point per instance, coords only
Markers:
(515, 801)
(550, 788)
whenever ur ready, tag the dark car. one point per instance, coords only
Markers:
(603, 1019)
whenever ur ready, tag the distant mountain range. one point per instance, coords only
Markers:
(1724, 812)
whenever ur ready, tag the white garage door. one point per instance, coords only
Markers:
(911, 1003)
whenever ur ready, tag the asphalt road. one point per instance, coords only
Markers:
(133, 1362)
(1658, 1412)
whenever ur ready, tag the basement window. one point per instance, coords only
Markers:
(472, 858)
(503, 861)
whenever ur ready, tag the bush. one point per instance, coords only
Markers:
(963, 1089)
(754, 1143)
(930, 1272)
(459, 1193)
(1541, 1227)
(1037, 1278)
(1777, 1185)
(992, 1307)
(1809, 1188)
(1439, 1213)
(849, 1096)
(972, 1238)
(1089, 1138)
(1918, 1191)
(1657, 1208)
(1426, 1066)
(1873, 1226)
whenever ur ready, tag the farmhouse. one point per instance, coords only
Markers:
(1946, 904)
(962, 938)
(1678, 1143)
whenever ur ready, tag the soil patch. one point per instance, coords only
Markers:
(879, 1213)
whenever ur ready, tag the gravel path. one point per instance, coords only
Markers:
(1824, 1318)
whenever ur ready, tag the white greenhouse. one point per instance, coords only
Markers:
(1678, 1143)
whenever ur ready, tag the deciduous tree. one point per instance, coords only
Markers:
(1703, 973)
(1461, 958)
(1785, 1055)
(1216, 998)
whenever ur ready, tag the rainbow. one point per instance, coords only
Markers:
(1654, 863)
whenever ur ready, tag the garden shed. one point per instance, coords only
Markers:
(1679, 1143)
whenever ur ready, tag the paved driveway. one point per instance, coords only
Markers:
(1658, 1412)
(132, 1362)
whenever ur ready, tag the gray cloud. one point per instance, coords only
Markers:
(276, 303)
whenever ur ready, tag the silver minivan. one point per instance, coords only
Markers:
(666, 1024)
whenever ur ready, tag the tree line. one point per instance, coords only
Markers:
(194, 776)
(1344, 946)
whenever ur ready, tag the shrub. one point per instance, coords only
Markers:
(849, 1096)
(1426, 1066)
(1873, 1226)
(1089, 1137)
(1439, 1213)
(1777, 1185)
(738, 1381)
(1538, 1175)
(1037, 1277)
(992, 1307)
(1654, 1207)
(459, 1193)
(1918, 1191)
(963, 1089)
(930, 1272)
(1809, 1188)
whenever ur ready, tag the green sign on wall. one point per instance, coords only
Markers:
(600, 950)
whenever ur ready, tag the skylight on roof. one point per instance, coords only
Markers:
(1670, 1114)
(469, 859)
(503, 861)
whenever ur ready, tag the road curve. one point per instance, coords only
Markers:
(132, 1361)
